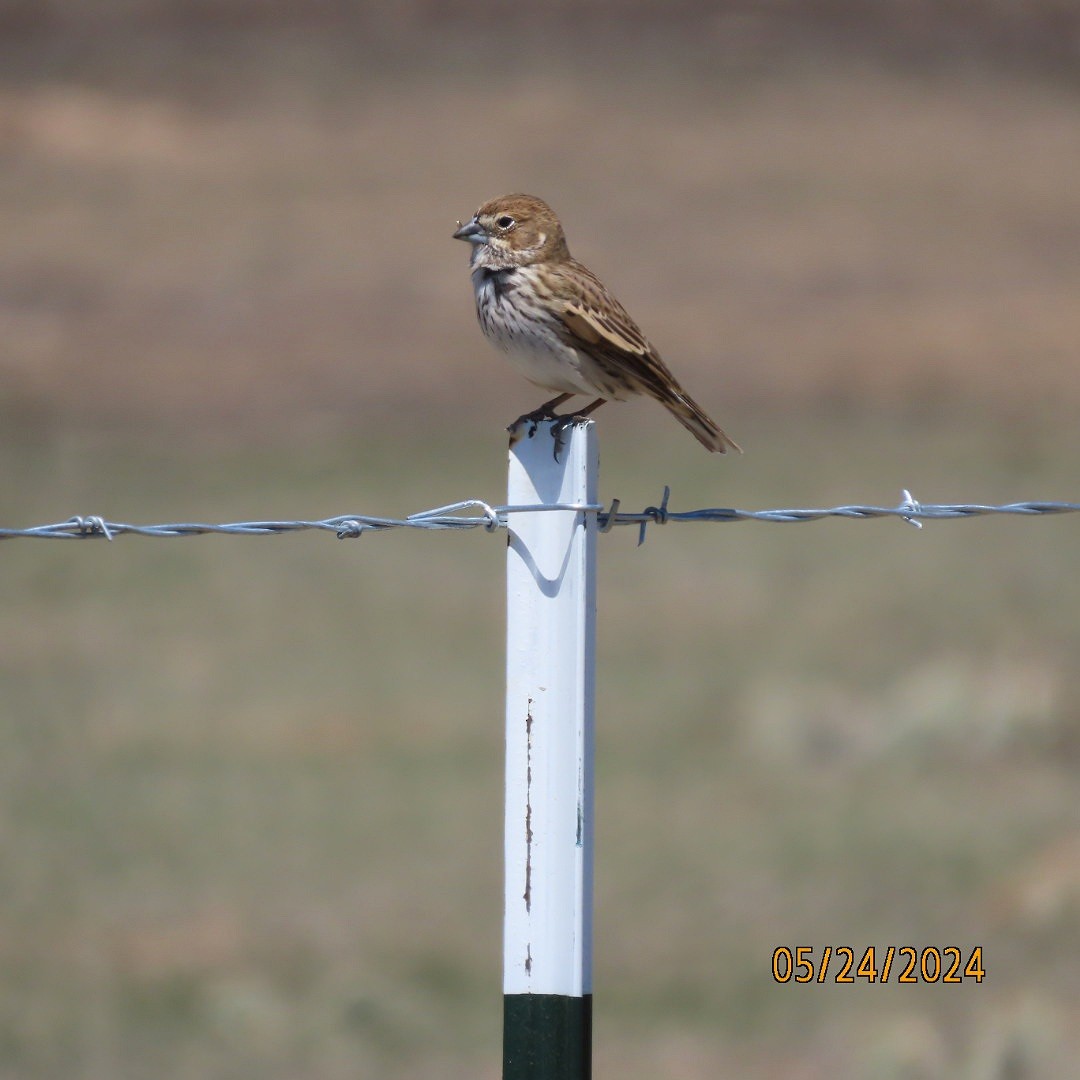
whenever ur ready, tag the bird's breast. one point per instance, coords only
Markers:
(516, 320)
(494, 285)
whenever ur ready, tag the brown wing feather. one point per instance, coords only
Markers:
(609, 319)
(594, 328)
(607, 332)
(599, 325)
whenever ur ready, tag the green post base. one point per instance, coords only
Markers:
(547, 1037)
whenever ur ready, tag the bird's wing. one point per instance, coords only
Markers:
(594, 327)
(596, 324)
(600, 326)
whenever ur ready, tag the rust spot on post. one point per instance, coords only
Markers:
(528, 808)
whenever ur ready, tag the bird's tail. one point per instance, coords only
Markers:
(692, 417)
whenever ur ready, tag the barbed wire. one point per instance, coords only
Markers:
(492, 518)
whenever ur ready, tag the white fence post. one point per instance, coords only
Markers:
(550, 678)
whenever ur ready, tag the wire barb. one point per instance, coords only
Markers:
(913, 504)
(606, 519)
(492, 518)
(659, 514)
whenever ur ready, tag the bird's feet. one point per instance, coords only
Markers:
(527, 423)
(525, 427)
(530, 420)
(547, 412)
(561, 426)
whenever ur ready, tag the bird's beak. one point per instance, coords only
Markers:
(472, 231)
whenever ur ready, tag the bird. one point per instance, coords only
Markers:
(558, 322)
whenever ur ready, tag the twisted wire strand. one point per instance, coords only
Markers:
(492, 518)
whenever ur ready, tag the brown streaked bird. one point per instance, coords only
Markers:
(559, 324)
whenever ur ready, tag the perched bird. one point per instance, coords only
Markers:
(557, 321)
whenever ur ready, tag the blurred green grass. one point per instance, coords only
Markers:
(250, 789)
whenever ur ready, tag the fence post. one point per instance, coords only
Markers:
(550, 666)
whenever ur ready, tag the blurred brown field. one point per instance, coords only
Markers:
(250, 789)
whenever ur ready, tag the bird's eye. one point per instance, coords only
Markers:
(505, 222)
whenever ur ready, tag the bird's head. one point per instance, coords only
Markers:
(514, 230)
